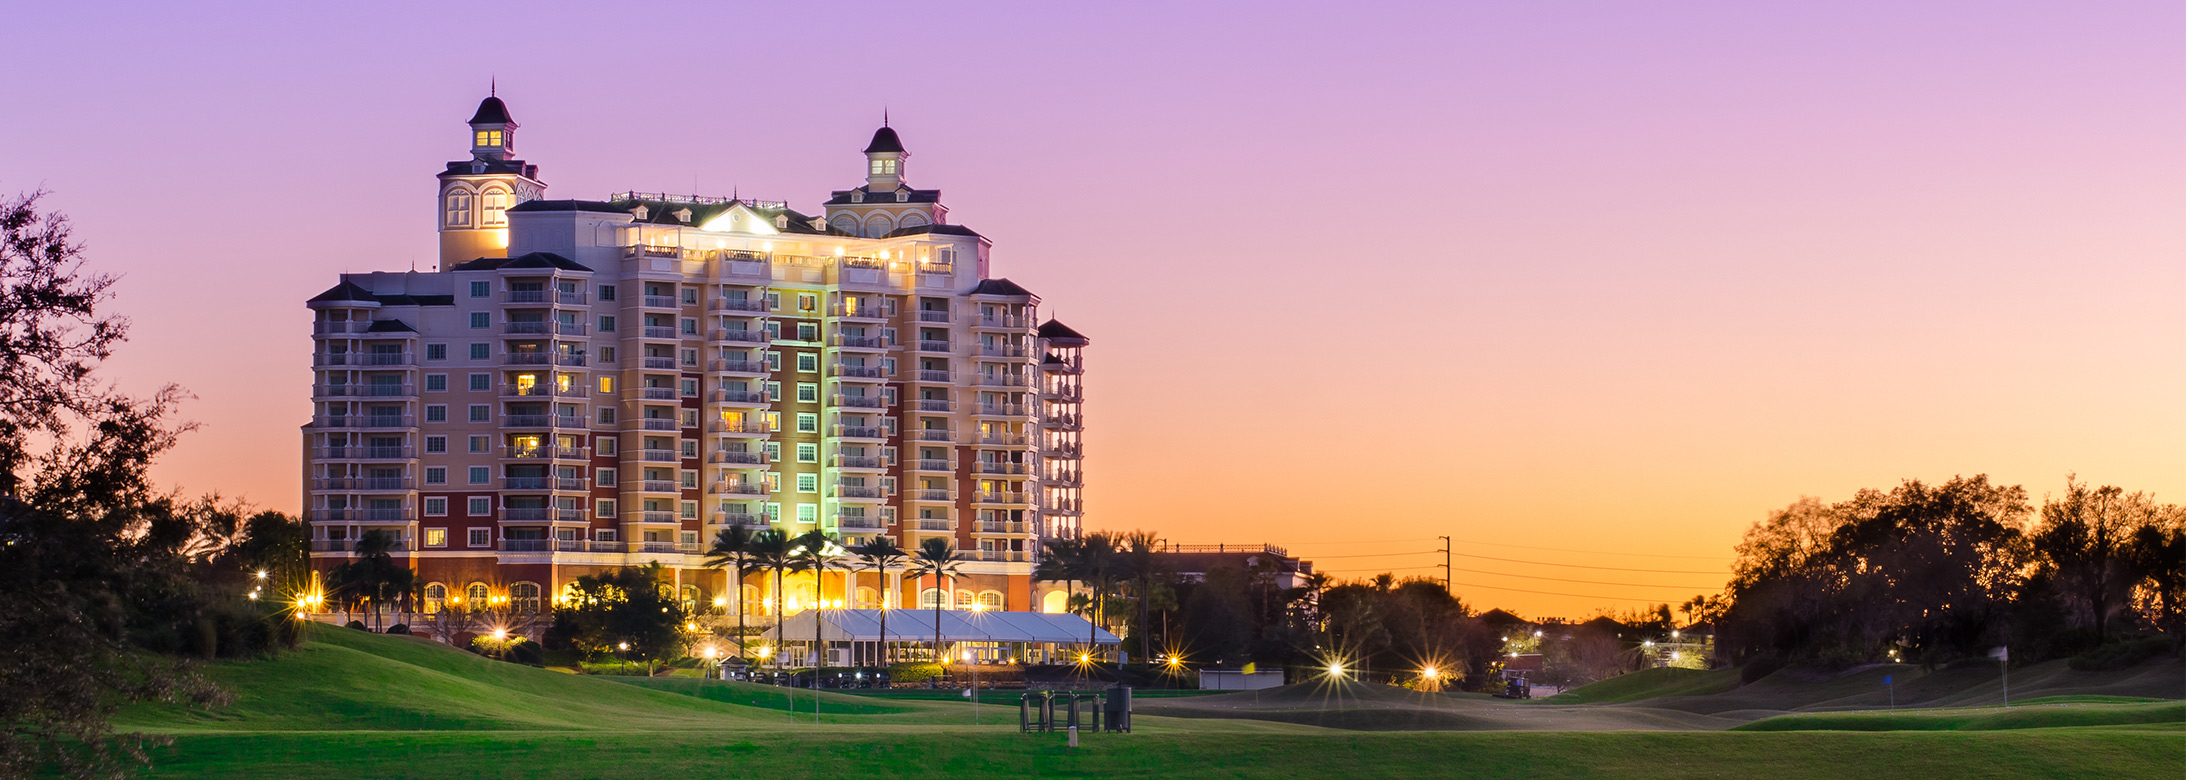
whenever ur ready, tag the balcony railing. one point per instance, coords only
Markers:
(860, 432)
(746, 519)
(364, 390)
(934, 376)
(659, 302)
(362, 515)
(542, 421)
(740, 336)
(1001, 440)
(941, 347)
(859, 342)
(739, 397)
(363, 358)
(930, 494)
(346, 545)
(741, 427)
(927, 464)
(931, 405)
(364, 421)
(658, 456)
(943, 435)
(984, 497)
(1000, 410)
(1007, 322)
(1001, 351)
(543, 390)
(860, 491)
(363, 453)
(1004, 380)
(1062, 450)
(1068, 394)
(745, 458)
(999, 467)
(1061, 421)
(936, 524)
(860, 372)
(543, 327)
(527, 514)
(541, 358)
(652, 486)
(860, 462)
(860, 401)
(653, 424)
(859, 522)
(658, 363)
(737, 487)
(543, 453)
(362, 483)
(1000, 527)
(754, 305)
(858, 311)
(933, 316)
(1015, 556)
(658, 332)
(571, 297)
(741, 366)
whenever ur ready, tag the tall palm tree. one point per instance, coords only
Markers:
(769, 549)
(815, 551)
(1060, 563)
(1098, 565)
(1140, 562)
(938, 557)
(880, 555)
(732, 552)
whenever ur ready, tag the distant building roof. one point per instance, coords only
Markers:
(843, 197)
(390, 326)
(999, 286)
(346, 291)
(939, 230)
(884, 140)
(531, 260)
(491, 111)
(1057, 332)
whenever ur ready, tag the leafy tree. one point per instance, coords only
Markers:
(2158, 554)
(630, 611)
(2084, 542)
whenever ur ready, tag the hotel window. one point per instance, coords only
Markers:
(687, 510)
(607, 477)
(607, 292)
(437, 383)
(807, 362)
(480, 444)
(437, 475)
(487, 139)
(480, 506)
(481, 413)
(887, 167)
(604, 507)
(436, 352)
(808, 422)
(607, 324)
(607, 415)
(493, 208)
(774, 361)
(808, 393)
(606, 446)
(436, 506)
(437, 537)
(808, 302)
(807, 513)
(773, 449)
(808, 483)
(607, 385)
(480, 537)
(688, 478)
(690, 388)
(459, 208)
(480, 475)
(690, 298)
(481, 290)
(481, 382)
(435, 445)
(481, 351)
(808, 452)
(774, 301)
(607, 354)
(481, 320)
(807, 331)
(689, 324)
(690, 448)
(436, 413)
(689, 357)
(774, 390)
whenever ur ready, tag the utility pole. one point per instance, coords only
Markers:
(1446, 565)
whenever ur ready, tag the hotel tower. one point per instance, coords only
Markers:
(581, 385)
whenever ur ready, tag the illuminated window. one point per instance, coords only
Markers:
(806, 483)
(459, 208)
(436, 594)
(808, 452)
(524, 598)
(495, 205)
(477, 593)
(436, 537)
(486, 139)
(884, 167)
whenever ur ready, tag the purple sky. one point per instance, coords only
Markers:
(1583, 275)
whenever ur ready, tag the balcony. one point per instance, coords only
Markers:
(1004, 380)
(748, 458)
(860, 432)
(1001, 440)
(659, 302)
(869, 312)
(364, 421)
(741, 367)
(1003, 323)
(1063, 507)
(541, 421)
(667, 332)
(937, 435)
(740, 428)
(933, 376)
(346, 545)
(544, 390)
(935, 524)
(544, 327)
(532, 514)
(751, 305)
(1001, 351)
(361, 483)
(740, 397)
(928, 464)
(1061, 393)
(859, 522)
(652, 424)
(362, 359)
(362, 515)
(1065, 366)
(745, 519)
(1007, 556)
(657, 363)
(364, 390)
(337, 328)
(543, 453)
(1064, 421)
(739, 487)
(1068, 478)
(1000, 410)
(858, 342)
(873, 492)
(935, 347)
(651, 486)
(651, 517)
(859, 401)
(363, 453)
(931, 495)
(1064, 450)
(984, 497)
(931, 405)
(869, 462)
(858, 372)
(541, 358)
(734, 336)
(937, 317)
(1000, 467)
(657, 456)
(998, 527)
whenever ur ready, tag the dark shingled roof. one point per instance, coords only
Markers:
(472, 167)
(417, 300)
(599, 206)
(390, 326)
(842, 197)
(346, 291)
(1058, 332)
(532, 260)
(491, 111)
(999, 287)
(662, 212)
(939, 230)
(884, 140)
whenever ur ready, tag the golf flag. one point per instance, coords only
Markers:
(1251, 668)
(1886, 679)
(2001, 653)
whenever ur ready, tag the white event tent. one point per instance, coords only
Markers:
(853, 636)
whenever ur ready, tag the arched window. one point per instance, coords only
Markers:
(1055, 602)
(846, 223)
(524, 598)
(914, 219)
(879, 225)
(931, 598)
(436, 595)
(868, 598)
(964, 599)
(494, 203)
(459, 207)
(990, 600)
(754, 602)
(476, 596)
(690, 598)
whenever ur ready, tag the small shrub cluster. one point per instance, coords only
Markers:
(2118, 655)
(913, 672)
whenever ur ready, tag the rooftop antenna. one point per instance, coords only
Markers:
(883, 116)
(493, 86)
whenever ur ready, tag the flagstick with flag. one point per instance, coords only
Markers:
(2002, 654)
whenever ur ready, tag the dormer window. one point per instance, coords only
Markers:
(487, 139)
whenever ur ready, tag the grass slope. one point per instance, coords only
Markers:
(1650, 684)
(2170, 714)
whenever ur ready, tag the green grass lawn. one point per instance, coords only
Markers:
(360, 706)
(1649, 684)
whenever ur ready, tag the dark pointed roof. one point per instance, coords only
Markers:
(346, 291)
(390, 326)
(884, 140)
(938, 230)
(530, 260)
(492, 111)
(999, 287)
(1055, 331)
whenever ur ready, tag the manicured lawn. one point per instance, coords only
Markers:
(2167, 714)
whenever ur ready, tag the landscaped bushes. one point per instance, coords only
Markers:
(913, 672)
(2118, 655)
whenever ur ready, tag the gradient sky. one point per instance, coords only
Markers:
(1591, 276)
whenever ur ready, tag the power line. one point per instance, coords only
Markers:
(1582, 582)
(1376, 555)
(1578, 566)
(1546, 593)
(1596, 552)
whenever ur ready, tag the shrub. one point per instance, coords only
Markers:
(913, 672)
(398, 628)
(2118, 655)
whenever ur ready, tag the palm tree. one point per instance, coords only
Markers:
(1060, 562)
(732, 551)
(815, 552)
(769, 549)
(936, 556)
(1097, 562)
(1139, 560)
(880, 555)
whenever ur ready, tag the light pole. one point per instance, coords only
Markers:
(975, 686)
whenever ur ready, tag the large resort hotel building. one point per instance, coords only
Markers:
(583, 385)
